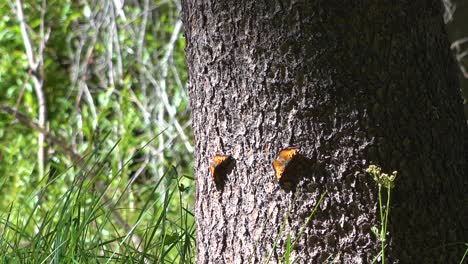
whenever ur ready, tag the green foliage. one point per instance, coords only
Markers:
(108, 75)
(386, 181)
(380, 178)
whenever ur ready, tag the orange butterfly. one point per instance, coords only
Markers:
(219, 166)
(282, 161)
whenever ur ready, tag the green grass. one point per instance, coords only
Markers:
(290, 244)
(89, 223)
(464, 255)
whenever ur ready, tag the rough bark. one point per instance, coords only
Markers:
(350, 83)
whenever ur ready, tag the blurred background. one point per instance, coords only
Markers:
(95, 139)
(94, 116)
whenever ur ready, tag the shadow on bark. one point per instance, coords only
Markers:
(222, 171)
(300, 170)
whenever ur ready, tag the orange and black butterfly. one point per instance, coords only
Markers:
(219, 167)
(280, 164)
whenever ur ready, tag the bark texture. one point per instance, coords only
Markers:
(349, 83)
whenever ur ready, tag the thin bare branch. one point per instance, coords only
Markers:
(449, 10)
(34, 62)
(460, 54)
(24, 33)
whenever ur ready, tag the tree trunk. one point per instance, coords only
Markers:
(349, 84)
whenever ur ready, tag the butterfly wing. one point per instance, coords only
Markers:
(219, 162)
(288, 154)
(212, 169)
(279, 168)
(281, 162)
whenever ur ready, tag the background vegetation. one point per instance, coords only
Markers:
(95, 141)
(112, 177)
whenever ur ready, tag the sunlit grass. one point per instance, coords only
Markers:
(86, 222)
